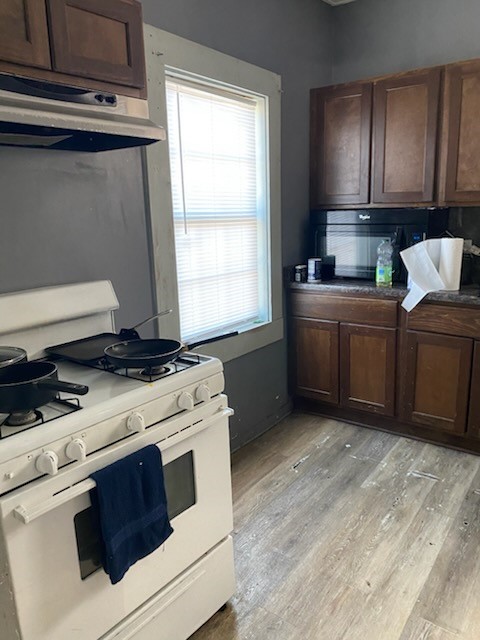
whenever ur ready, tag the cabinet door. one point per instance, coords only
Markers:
(316, 359)
(367, 368)
(462, 103)
(99, 39)
(474, 409)
(23, 33)
(437, 375)
(340, 145)
(405, 117)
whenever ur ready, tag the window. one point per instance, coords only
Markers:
(218, 165)
(213, 195)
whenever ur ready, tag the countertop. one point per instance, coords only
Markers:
(467, 295)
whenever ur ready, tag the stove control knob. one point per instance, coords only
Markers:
(47, 462)
(136, 422)
(76, 450)
(203, 393)
(185, 401)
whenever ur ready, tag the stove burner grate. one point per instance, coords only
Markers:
(149, 374)
(154, 371)
(23, 418)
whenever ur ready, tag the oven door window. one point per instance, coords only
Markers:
(355, 247)
(179, 478)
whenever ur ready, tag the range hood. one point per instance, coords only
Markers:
(48, 115)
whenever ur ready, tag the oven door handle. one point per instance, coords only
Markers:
(29, 514)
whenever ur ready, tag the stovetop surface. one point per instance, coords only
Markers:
(110, 394)
(107, 383)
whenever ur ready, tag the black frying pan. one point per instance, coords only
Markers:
(29, 385)
(136, 354)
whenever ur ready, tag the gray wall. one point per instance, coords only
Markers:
(68, 217)
(375, 37)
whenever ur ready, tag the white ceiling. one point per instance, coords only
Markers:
(334, 3)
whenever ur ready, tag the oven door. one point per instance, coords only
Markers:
(50, 549)
(355, 247)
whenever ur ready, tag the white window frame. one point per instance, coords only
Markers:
(167, 51)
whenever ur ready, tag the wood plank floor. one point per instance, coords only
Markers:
(346, 533)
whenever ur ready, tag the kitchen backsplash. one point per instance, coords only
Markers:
(464, 222)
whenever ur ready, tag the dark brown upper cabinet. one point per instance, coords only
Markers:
(340, 145)
(100, 39)
(462, 133)
(94, 44)
(24, 33)
(405, 117)
(400, 113)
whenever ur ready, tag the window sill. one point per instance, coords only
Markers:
(245, 342)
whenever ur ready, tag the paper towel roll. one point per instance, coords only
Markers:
(450, 268)
(433, 265)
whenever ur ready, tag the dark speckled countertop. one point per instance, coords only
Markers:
(468, 295)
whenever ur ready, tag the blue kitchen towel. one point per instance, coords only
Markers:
(130, 505)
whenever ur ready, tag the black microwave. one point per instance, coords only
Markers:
(352, 237)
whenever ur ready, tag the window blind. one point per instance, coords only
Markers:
(218, 173)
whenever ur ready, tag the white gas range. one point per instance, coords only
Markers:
(51, 584)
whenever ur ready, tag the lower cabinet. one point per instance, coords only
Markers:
(474, 413)
(316, 359)
(437, 377)
(361, 358)
(416, 373)
(367, 368)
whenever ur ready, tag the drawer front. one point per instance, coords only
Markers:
(381, 313)
(449, 320)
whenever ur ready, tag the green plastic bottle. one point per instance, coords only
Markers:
(383, 273)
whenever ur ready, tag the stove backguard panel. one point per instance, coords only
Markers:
(39, 318)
